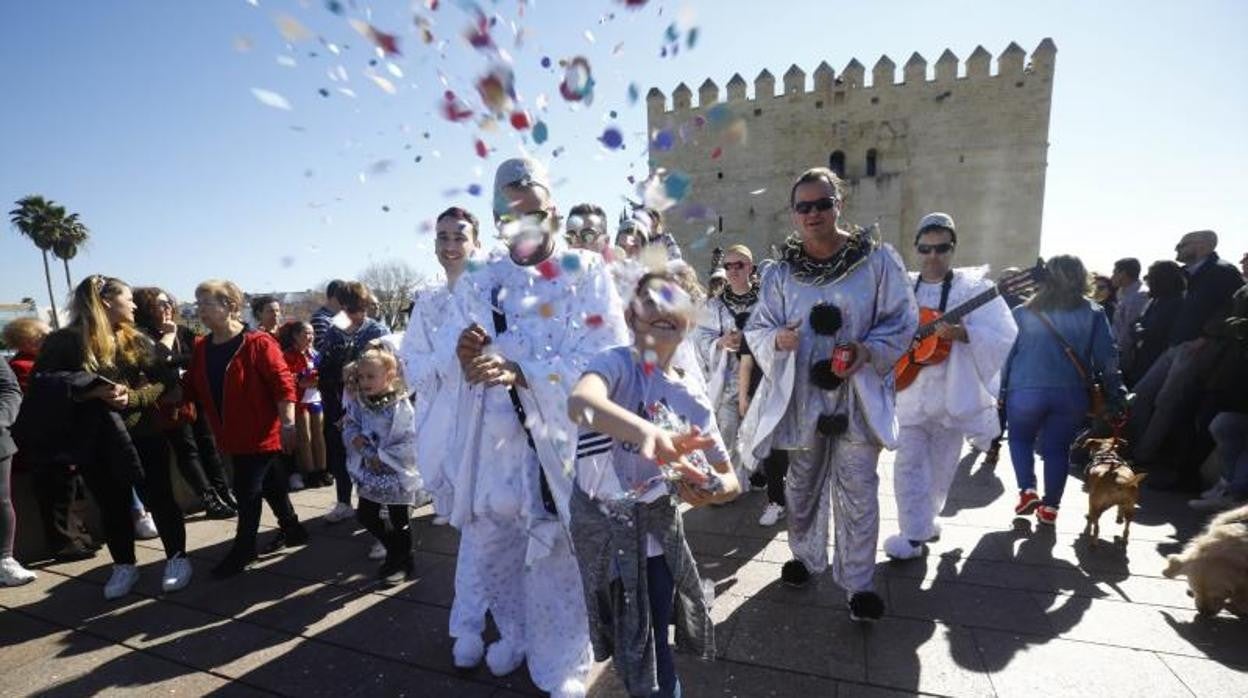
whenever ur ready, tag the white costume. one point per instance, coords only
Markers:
(833, 435)
(389, 432)
(514, 551)
(947, 403)
(724, 314)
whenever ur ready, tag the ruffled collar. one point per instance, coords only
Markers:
(823, 271)
(380, 403)
(742, 303)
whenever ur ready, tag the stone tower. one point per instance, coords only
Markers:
(972, 145)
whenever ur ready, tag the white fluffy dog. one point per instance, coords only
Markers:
(1216, 565)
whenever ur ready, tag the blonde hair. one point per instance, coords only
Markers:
(24, 330)
(103, 346)
(376, 351)
(225, 292)
(741, 250)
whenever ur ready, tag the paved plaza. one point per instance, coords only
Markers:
(997, 608)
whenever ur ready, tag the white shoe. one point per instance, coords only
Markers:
(296, 482)
(12, 574)
(121, 581)
(1218, 490)
(468, 651)
(502, 658)
(898, 547)
(145, 527)
(440, 520)
(340, 512)
(377, 552)
(570, 688)
(773, 513)
(384, 513)
(177, 573)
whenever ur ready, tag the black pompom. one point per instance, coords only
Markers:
(740, 319)
(832, 424)
(821, 376)
(825, 319)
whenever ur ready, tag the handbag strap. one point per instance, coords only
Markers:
(1066, 348)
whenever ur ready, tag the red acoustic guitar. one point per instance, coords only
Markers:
(929, 350)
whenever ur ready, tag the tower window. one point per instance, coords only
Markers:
(836, 163)
(719, 175)
(872, 161)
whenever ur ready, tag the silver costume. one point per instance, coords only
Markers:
(722, 385)
(834, 470)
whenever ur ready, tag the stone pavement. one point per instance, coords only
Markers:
(997, 608)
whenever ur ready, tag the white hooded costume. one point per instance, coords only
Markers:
(947, 403)
(515, 552)
(718, 318)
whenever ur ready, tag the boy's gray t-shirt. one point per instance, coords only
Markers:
(606, 468)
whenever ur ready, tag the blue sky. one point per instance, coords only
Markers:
(140, 116)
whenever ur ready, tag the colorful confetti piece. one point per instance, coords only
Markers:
(548, 269)
(540, 132)
(611, 138)
(571, 262)
(453, 108)
(271, 99)
(664, 140)
(291, 29)
(483, 150)
(578, 81)
(520, 120)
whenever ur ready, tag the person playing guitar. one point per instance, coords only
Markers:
(953, 396)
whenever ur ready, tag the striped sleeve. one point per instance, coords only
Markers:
(592, 443)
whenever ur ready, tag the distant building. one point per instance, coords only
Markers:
(973, 145)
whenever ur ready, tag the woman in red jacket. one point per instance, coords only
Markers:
(239, 377)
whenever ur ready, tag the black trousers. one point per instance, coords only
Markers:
(258, 476)
(156, 490)
(58, 488)
(113, 498)
(776, 465)
(186, 452)
(335, 450)
(398, 540)
(209, 457)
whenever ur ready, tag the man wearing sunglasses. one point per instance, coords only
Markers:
(949, 401)
(830, 292)
(538, 314)
(587, 228)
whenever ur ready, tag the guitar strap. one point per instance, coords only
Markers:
(945, 286)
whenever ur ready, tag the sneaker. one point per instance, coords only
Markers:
(865, 607)
(1218, 490)
(1221, 502)
(1028, 500)
(340, 512)
(898, 547)
(296, 482)
(296, 535)
(1046, 514)
(145, 527)
(216, 508)
(177, 573)
(993, 454)
(377, 552)
(771, 514)
(326, 479)
(12, 574)
(795, 574)
(121, 581)
(393, 573)
(74, 553)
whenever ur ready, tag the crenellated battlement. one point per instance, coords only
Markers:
(1012, 64)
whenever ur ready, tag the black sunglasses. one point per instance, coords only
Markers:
(586, 235)
(804, 207)
(942, 248)
(538, 216)
(733, 266)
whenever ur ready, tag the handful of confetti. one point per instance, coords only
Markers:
(663, 417)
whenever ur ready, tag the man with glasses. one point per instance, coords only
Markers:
(587, 228)
(949, 401)
(834, 314)
(539, 313)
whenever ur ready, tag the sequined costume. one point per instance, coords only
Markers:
(833, 433)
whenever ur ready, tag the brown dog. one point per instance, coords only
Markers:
(1111, 482)
(1216, 565)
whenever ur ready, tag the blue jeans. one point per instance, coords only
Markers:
(662, 597)
(1054, 416)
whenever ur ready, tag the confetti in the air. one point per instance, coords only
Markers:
(612, 138)
(271, 99)
(291, 29)
(388, 43)
(571, 262)
(483, 150)
(540, 132)
(453, 108)
(385, 85)
(520, 120)
(548, 269)
(578, 81)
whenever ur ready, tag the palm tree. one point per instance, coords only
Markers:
(72, 235)
(36, 218)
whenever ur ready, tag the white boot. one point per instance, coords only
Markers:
(468, 651)
(570, 688)
(898, 547)
(12, 574)
(502, 658)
